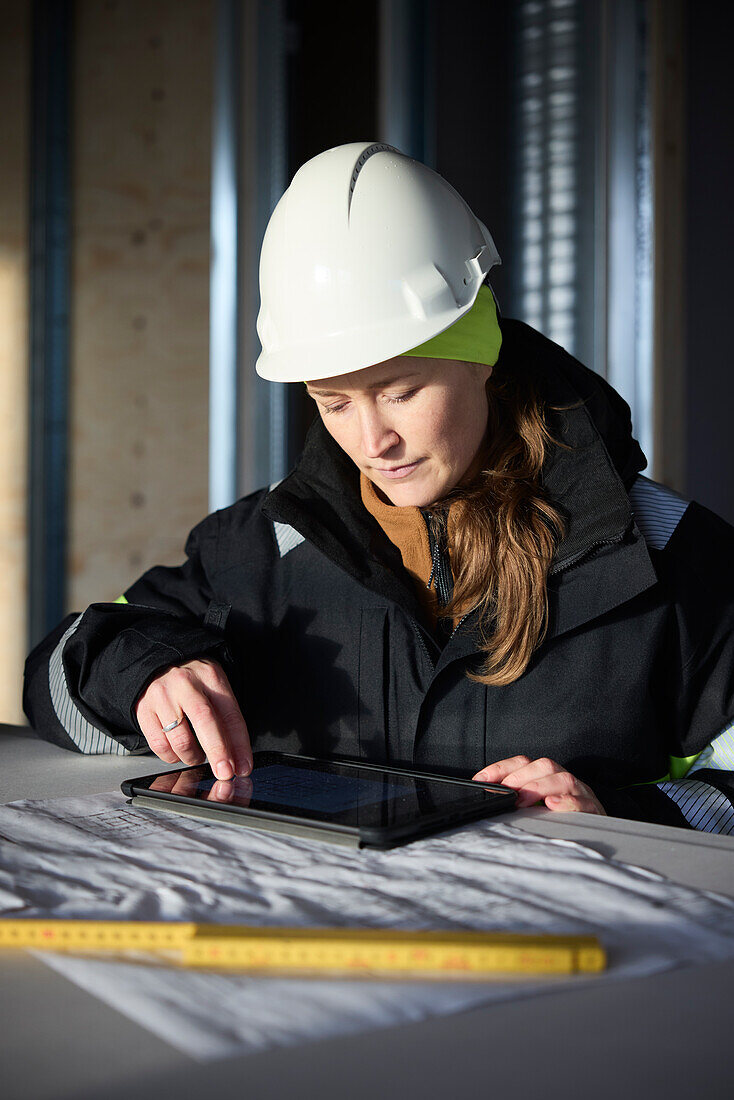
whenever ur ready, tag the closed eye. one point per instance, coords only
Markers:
(391, 399)
(399, 397)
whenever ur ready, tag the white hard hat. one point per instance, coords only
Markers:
(368, 254)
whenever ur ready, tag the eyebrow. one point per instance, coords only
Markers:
(380, 384)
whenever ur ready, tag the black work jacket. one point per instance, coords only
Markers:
(301, 596)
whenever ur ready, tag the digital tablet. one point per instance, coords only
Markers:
(348, 802)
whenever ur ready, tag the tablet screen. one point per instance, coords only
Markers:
(322, 791)
(327, 793)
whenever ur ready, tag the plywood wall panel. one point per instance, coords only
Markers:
(14, 81)
(140, 321)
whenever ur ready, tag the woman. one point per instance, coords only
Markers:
(465, 573)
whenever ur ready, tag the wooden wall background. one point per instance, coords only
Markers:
(138, 442)
(14, 78)
(140, 322)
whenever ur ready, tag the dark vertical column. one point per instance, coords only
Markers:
(709, 246)
(272, 450)
(406, 46)
(49, 311)
(332, 99)
(474, 74)
(264, 415)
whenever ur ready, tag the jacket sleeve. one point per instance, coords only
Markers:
(698, 792)
(83, 680)
(701, 783)
(695, 562)
(702, 799)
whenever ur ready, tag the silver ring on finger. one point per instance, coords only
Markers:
(172, 725)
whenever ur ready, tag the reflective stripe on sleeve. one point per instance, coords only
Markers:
(82, 732)
(703, 806)
(719, 754)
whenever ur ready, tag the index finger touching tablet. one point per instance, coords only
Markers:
(498, 772)
(224, 743)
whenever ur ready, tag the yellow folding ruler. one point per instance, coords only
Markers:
(307, 951)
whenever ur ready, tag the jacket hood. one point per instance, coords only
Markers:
(589, 473)
(608, 411)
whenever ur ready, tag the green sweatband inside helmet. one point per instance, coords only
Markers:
(474, 338)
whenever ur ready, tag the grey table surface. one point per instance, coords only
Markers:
(661, 1036)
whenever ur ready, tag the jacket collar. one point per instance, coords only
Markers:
(602, 561)
(321, 499)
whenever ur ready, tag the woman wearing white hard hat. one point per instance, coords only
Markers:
(465, 573)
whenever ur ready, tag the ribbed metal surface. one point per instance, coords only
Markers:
(224, 274)
(549, 35)
(583, 179)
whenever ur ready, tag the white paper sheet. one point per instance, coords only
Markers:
(97, 857)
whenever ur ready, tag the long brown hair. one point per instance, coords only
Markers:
(503, 532)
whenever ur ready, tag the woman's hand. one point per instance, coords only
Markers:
(222, 790)
(211, 728)
(542, 780)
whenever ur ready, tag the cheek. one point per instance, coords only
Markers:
(459, 425)
(465, 425)
(474, 412)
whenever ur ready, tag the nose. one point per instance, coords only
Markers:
(377, 434)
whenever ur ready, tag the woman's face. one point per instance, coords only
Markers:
(412, 426)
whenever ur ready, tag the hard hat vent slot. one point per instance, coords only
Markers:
(378, 147)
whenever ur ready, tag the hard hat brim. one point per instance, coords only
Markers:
(353, 350)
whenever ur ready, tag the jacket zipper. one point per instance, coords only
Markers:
(424, 647)
(459, 624)
(576, 560)
(436, 554)
(585, 553)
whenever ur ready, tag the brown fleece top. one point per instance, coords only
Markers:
(406, 529)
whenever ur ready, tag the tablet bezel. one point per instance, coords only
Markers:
(384, 836)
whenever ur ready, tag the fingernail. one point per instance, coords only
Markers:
(245, 766)
(224, 769)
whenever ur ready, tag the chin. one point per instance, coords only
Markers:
(414, 498)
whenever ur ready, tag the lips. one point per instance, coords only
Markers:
(397, 472)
